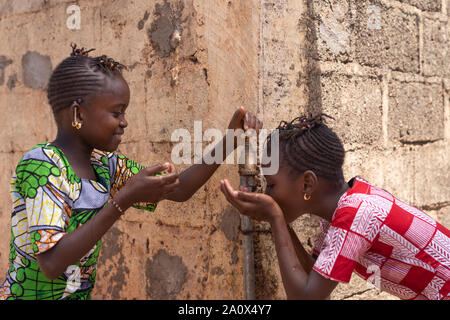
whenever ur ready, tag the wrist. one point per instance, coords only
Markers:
(122, 201)
(276, 215)
(117, 207)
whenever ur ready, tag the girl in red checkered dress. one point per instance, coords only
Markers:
(396, 247)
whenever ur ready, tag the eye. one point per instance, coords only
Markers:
(270, 186)
(118, 114)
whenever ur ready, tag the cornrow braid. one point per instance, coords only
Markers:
(307, 143)
(78, 76)
(108, 64)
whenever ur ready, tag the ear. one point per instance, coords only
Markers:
(310, 182)
(76, 112)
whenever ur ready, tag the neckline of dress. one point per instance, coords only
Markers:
(61, 153)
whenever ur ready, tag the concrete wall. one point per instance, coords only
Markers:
(382, 73)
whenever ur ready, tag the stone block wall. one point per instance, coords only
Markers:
(379, 67)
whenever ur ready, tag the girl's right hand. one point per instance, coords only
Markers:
(146, 187)
(258, 206)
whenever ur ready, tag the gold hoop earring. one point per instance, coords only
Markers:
(307, 197)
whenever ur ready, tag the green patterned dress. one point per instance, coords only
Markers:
(49, 200)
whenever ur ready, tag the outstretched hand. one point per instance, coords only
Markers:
(258, 206)
(151, 184)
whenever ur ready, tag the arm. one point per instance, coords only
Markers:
(306, 259)
(194, 177)
(197, 175)
(144, 186)
(298, 283)
(74, 245)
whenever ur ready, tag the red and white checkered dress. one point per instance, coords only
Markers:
(387, 242)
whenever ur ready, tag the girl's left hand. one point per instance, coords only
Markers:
(245, 120)
(258, 206)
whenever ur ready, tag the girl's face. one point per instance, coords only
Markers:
(103, 118)
(286, 191)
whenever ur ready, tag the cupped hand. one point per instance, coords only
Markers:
(151, 184)
(258, 206)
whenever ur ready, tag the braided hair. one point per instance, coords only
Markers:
(307, 143)
(78, 76)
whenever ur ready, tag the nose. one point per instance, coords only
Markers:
(123, 122)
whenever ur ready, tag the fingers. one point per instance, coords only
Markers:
(229, 194)
(239, 196)
(229, 188)
(246, 120)
(238, 116)
(171, 168)
(259, 124)
(252, 122)
(167, 170)
(246, 196)
(244, 207)
(241, 203)
(242, 188)
(169, 188)
(168, 178)
(243, 194)
(151, 171)
(171, 184)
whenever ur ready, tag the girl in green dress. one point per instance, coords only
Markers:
(66, 194)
